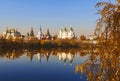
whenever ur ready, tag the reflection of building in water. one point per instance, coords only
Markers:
(38, 55)
(70, 57)
(12, 55)
(64, 56)
(47, 55)
(30, 55)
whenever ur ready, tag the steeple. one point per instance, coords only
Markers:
(48, 34)
(6, 29)
(40, 32)
(40, 29)
(71, 29)
(32, 32)
(65, 29)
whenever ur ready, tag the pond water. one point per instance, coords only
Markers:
(34, 65)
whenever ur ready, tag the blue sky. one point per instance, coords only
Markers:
(52, 14)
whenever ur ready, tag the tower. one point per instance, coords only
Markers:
(31, 32)
(71, 29)
(48, 36)
(6, 29)
(40, 34)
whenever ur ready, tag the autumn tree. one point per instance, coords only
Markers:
(108, 25)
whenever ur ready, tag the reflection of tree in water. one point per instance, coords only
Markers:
(102, 67)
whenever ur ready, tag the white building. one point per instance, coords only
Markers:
(65, 34)
(11, 34)
(93, 39)
(47, 35)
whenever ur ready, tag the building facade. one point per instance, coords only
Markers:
(47, 35)
(65, 34)
(11, 34)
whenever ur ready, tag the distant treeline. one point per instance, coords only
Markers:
(58, 43)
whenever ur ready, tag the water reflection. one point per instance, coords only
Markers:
(93, 65)
(35, 65)
(66, 56)
(63, 57)
(104, 66)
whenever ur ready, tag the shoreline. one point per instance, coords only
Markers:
(46, 44)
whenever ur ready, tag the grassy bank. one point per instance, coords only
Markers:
(48, 44)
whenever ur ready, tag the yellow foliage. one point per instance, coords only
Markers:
(118, 1)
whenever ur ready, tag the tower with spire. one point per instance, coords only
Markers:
(32, 32)
(40, 32)
(47, 35)
(40, 35)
